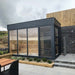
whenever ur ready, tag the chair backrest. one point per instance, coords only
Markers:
(14, 68)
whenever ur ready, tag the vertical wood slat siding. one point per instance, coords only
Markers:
(66, 17)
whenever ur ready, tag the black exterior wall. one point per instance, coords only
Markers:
(52, 22)
(68, 37)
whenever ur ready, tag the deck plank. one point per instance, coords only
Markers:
(4, 61)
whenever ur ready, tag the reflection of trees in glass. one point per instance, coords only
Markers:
(33, 41)
(13, 41)
(22, 42)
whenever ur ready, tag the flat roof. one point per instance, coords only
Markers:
(31, 24)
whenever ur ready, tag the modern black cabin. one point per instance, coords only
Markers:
(39, 38)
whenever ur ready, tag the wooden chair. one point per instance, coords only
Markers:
(13, 70)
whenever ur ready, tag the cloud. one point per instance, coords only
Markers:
(2, 28)
(14, 11)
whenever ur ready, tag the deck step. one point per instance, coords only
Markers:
(67, 62)
(67, 65)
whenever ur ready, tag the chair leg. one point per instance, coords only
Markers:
(17, 65)
(0, 68)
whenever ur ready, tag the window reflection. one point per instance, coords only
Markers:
(33, 41)
(22, 42)
(13, 41)
(45, 41)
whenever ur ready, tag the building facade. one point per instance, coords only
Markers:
(66, 17)
(39, 38)
(68, 39)
(67, 20)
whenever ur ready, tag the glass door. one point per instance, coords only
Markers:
(33, 42)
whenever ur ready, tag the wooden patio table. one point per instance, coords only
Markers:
(4, 62)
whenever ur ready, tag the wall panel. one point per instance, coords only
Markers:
(66, 17)
(72, 17)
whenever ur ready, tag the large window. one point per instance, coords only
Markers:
(22, 42)
(13, 41)
(33, 41)
(45, 41)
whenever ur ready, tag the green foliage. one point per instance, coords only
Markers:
(19, 58)
(3, 34)
(30, 59)
(13, 57)
(35, 59)
(49, 61)
(4, 39)
(1, 52)
(23, 58)
(6, 51)
(38, 60)
(44, 59)
(27, 57)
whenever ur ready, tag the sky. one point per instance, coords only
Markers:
(15, 11)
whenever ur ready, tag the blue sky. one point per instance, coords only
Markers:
(15, 11)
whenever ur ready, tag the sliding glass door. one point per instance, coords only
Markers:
(33, 41)
(45, 41)
(22, 42)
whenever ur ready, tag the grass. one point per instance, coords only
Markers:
(2, 34)
(3, 39)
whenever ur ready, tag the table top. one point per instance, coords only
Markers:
(5, 61)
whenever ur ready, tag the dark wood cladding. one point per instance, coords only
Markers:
(69, 34)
